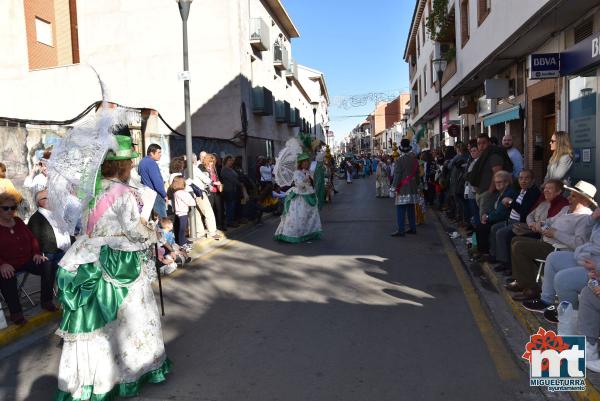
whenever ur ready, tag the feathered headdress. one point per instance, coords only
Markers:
(74, 167)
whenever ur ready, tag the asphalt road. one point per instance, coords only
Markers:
(356, 316)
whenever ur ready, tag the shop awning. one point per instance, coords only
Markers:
(514, 113)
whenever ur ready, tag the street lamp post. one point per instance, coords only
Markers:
(184, 11)
(440, 65)
(326, 127)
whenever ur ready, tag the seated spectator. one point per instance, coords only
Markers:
(588, 319)
(565, 271)
(568, 230)
(549, 205)
(272, 202)
(519, 209)
(500, 213)
(20, 251)
(169, 253)
(53, 241)
(7, 186)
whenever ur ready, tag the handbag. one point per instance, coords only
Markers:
(521, 229)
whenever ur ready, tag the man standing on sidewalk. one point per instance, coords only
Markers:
(151, 177)
(513, 153)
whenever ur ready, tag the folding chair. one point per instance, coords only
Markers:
(542, 262)
(21, 291)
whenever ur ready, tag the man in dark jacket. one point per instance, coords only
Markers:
(502, 233)
(406, 174)
(151, 177)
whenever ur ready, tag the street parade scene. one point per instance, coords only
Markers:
(256, 201)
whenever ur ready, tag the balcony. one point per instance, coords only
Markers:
(292, 71)
(281, 59)
(259, 34)
(262, 101)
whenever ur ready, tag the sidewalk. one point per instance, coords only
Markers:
(37, 317)
(528, 321)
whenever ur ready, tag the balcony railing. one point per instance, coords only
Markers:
(259, 34)
(281, 59)
(292, 71)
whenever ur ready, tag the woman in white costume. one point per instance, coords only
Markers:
(111, 326)
(300, 220)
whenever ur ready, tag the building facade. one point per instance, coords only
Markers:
(488, 84)
(247, 93)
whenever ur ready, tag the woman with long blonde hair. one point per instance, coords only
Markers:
(562, 157)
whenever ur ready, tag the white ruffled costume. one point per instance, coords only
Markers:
(117, 358)
(300, 221)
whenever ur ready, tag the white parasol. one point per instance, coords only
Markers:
(287, 163)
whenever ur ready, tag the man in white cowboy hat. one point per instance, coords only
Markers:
(568, 230)
(565, 272)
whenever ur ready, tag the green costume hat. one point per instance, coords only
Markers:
(303, 156)
(125, 150)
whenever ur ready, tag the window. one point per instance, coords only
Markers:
(418, 46)
(51, 32)
(484, 7)
(43, 31)
(464, 22)
(425, 80)
(423, 30)
(431, 77)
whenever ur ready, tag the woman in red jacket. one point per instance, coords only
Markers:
(20, 251)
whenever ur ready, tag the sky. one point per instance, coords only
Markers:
(358, 45)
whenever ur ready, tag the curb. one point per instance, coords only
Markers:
(13, 332)
(526, 319)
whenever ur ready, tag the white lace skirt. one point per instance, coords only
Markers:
(301, 223)
(120, 353)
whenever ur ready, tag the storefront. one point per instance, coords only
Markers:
(580, 66)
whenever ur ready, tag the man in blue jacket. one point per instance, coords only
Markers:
(151, 177)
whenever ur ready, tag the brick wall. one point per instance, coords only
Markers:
(40, 55)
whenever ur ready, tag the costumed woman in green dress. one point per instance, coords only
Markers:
(300, 220)
(110, 325)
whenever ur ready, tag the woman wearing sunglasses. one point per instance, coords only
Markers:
(20, 251)
(562, 157)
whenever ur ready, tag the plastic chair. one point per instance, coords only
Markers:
(542, 262)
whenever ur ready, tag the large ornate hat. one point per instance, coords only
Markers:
(124, 151)
(303, 156)
(405, 145)
(584, 189)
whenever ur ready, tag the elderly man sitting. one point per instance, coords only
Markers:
(568, 230)
(53, 240)
(565, 272)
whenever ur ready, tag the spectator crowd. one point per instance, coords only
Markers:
(542, 235)
(220, 195)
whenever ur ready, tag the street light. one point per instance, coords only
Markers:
(184, 11)
(315, 105)
(439, 64)
(326, 127)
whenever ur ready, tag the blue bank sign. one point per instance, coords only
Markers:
(583, 55)
(544, 65)
(580, 57)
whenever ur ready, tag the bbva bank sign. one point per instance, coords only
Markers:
(582, 56)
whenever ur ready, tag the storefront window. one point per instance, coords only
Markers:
(582, 126)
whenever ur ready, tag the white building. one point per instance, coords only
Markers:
(246, 91)
(488, 43)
